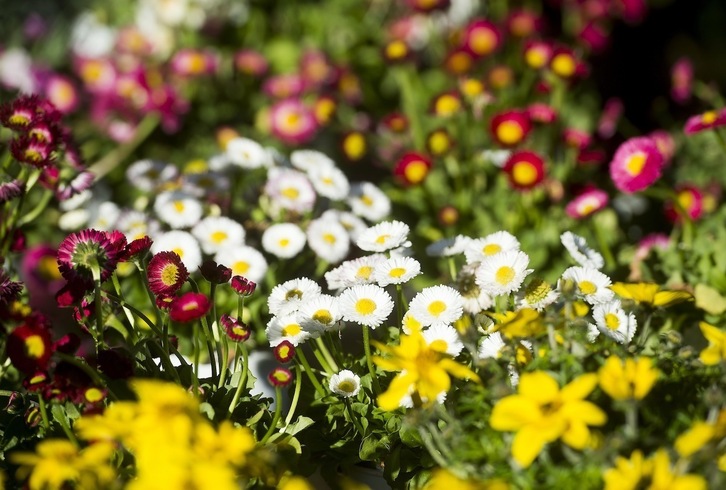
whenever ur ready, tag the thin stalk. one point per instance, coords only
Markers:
(61, 418)
(404, 76)
(352, 416)
(369, 360)
(127, 311)
(43, 412)
(433, 451)
(242, 380)
(631, 419)
(195, 357)
(332, 365)
(276, 416)
(321, 360)
(35, 212)
(295, 396)
(303, 360)
(209, 339)
(604, 247)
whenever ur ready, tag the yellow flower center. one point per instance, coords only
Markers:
(364, 272)
(587, 287)
(635, 163)
(709, 117)
(509, 132)
(416, 171)
(291, 120)
(437, 307)
(564, 65)
(19, 120)
(439, 143)
(347, 386)
(354, 146)
(367, 200)
(240, 267)
(323, 316)
(329, 238)
(290, 192)
(536, 58)
(612, 321)
(397, 272)
(446, 105)
(291, 329)
(294, 293)
(34, 346)
(686, 199)
(219, 237)
(169, 274)
(33, 155)
(472, 87)
(196, 63)
(482, 41)
(587, 206)
(524, 173)
(396, 49)
(382, 239)
(48, 268)
(439, 345)
(365, 306)
(179, 252)
(284, 242)
(94, 395)
(179, 206)
(504, 275)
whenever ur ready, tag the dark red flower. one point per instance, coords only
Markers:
(215, 273)
(29, 346)
(412, 168)
(89, 252)
(280, 377)
(9, 290)
(189, 307)
(166, 273)
(138, 248)
(525, 169)
(511, 127)
(32, 151)
(284, 352)
(236, 330)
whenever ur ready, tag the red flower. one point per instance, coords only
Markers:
(280, 377)
(9, 290)
(537, 54)
(707, 120)
(236, 330)
(565, 64)
(439, 142)
(29, 345)
(166, 273)
(576, 138)
(412, 168)
(138, 248)
(690, 202)
(243, 286)
(215, 273)
(189, 307)
(525, 169)
(284, 352)
(510, 128)
(32, 151)
(481, 38)
(88, 252)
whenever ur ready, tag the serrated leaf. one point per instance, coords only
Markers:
(300, 424)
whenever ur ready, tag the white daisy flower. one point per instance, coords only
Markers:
(479, 249)
(448, 247)
(354, 272)
(217, 233)
(437, 304)
(328, 239)
(320, 314)
(148, 175)
(497, 157)
(284, 240)
(76, 201)
(205, 183)
(352, 223)
(330, 182)
(345, 383)
(104, 216)
(368, 305)
(592, 332)
(383, 236)
(396, 270)
(219, 163)
(503, 273)
(410, 323)
(537, 295)
(132, 220)
(74, 219)
(578, 249)
(181, 243)
(288, 297)
(474, 298)
(290, 189)
(286, 328)
(612, 321)
(491, 346)
(307, 160)
(246, 153)
(244, 261)
(178, 209)
(368, 201)
(591, 285)
(443, 338)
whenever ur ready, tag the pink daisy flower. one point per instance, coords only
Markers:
(636, 165)
(481, 38)
(586, 203)
(292, 122)
(682, 80)
(86, 251)
(690, 201)
(525, 169)
(166, 273)
(649, 242)
(707, 120)
(189, 307)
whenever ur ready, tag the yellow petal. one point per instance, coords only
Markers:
(399, 387)
(580, 387)
(713, 334)
(527, 444)
(645, 377)
(577, 435)
(668, 298)
(539, 386)
(643, 292)
(710, 355)
(514, 412)
(584, 411)
(458, 370)
(431, 382)
(694, 439)
(387, 364)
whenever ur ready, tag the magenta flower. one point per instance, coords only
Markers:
(707, 120)
(62, 93)
(682, 80)
(11, 190)
(636, 165)
(586, 203)
(690, 202)
(236, 330)
(189, 307)
(292, 122)
(89, 252)
(194, 62)
(166, 273)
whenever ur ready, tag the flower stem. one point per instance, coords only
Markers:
(332, 365)
(353, 418)
(369, 360)
(303, 360)
(60, 416)
(631, 419)
(43, 412)
(295, 396)
(242, 380)
(195, 357)
(604, 247)
(276, 417)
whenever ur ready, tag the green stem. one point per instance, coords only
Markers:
(276, 417)
(295, 396)
(631, 419)
(303, 360)
(127, 312)
(645, 331)
(195, 356)
(353, 418)
(404, 76)
(604, 247)
(43, 412)
(35, 212)
(332, 367)
(60, 416)
(211, 349)
(369, 361)
(242, 380)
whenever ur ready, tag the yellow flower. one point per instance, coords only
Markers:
(700, 434)
(541, 412)
(425, 371)
(521, 323)
(629, 380)
(443, 479)
(58, 461)
(650, 294)
(294, 483)
(716, 350)
(636, 472)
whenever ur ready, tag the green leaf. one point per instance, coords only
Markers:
(709, 300)
(300, 424)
